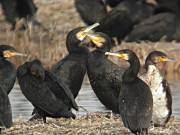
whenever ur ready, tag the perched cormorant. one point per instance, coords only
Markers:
(7, 69)
(162, 99)
(72, 68)
(156, 27)
(91, 11)
(105, 76)
(7, 80)
(48, 94)
(14, 9)
(120, 20)
(135, 98)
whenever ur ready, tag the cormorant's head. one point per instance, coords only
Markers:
(75, 39)
(36, 69)
(99, 41)
(7, 51)
(156, 57)
(125, 54)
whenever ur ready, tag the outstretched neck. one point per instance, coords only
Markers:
(132, 72)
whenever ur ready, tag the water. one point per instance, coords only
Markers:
(22, 108)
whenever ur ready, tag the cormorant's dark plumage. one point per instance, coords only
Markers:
(7, 70)
(135, 98)
(45, 91)
(113, 3)
(14, 9)
(91, 11)
(7, 80)
(120, 20)
(162, 98)
(72, 68)
(5, 110)
(105, 76)
(156, 27)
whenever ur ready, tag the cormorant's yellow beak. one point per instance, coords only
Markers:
(96, 39)
(165, 59)
(83, 33)
(122, 56)
(9, 54)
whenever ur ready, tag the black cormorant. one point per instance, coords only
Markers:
(48, 94)
(7, 80)
(162, 99)
(162, 25)
(72, 68)
(120, 20)
(105, 76)
(135, 98)
(14, 9)
(7, 69)
(91, 11)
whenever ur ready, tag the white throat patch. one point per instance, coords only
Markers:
(154, 80)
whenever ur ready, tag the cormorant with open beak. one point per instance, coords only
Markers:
(72, 68)
(7, 80)
(48, 94)
(135, 98)
(105, 76)
(162, 98)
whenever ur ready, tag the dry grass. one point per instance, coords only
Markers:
(92, 124)
(59, 17)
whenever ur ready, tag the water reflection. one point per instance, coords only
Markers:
(87, 99)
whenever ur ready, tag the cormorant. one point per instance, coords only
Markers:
(162, 99)
(7, 80)
(91, 11)
(135, 98)
(120, 20)
(48, 94)
(72, 68)
(105, 76)
(7, 69)
(156, 27)
(168, 6)
(14, 9)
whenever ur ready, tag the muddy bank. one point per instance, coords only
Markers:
(91, 124)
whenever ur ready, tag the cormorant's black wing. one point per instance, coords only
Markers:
(135, 105)
(91, 11)
(154, 28)
(58, 65)
(5, 109)
(40, 95)
(117, 23)
(65, 88)
(169, 97)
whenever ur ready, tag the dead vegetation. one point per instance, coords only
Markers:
(58, 17)
(92, 124)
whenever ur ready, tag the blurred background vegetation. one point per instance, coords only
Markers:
(58, 17)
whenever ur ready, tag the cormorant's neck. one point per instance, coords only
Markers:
(131, 73)
(152, 70)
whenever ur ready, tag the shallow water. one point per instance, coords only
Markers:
(87, 99)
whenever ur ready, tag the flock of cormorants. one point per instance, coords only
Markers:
(140, 99)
